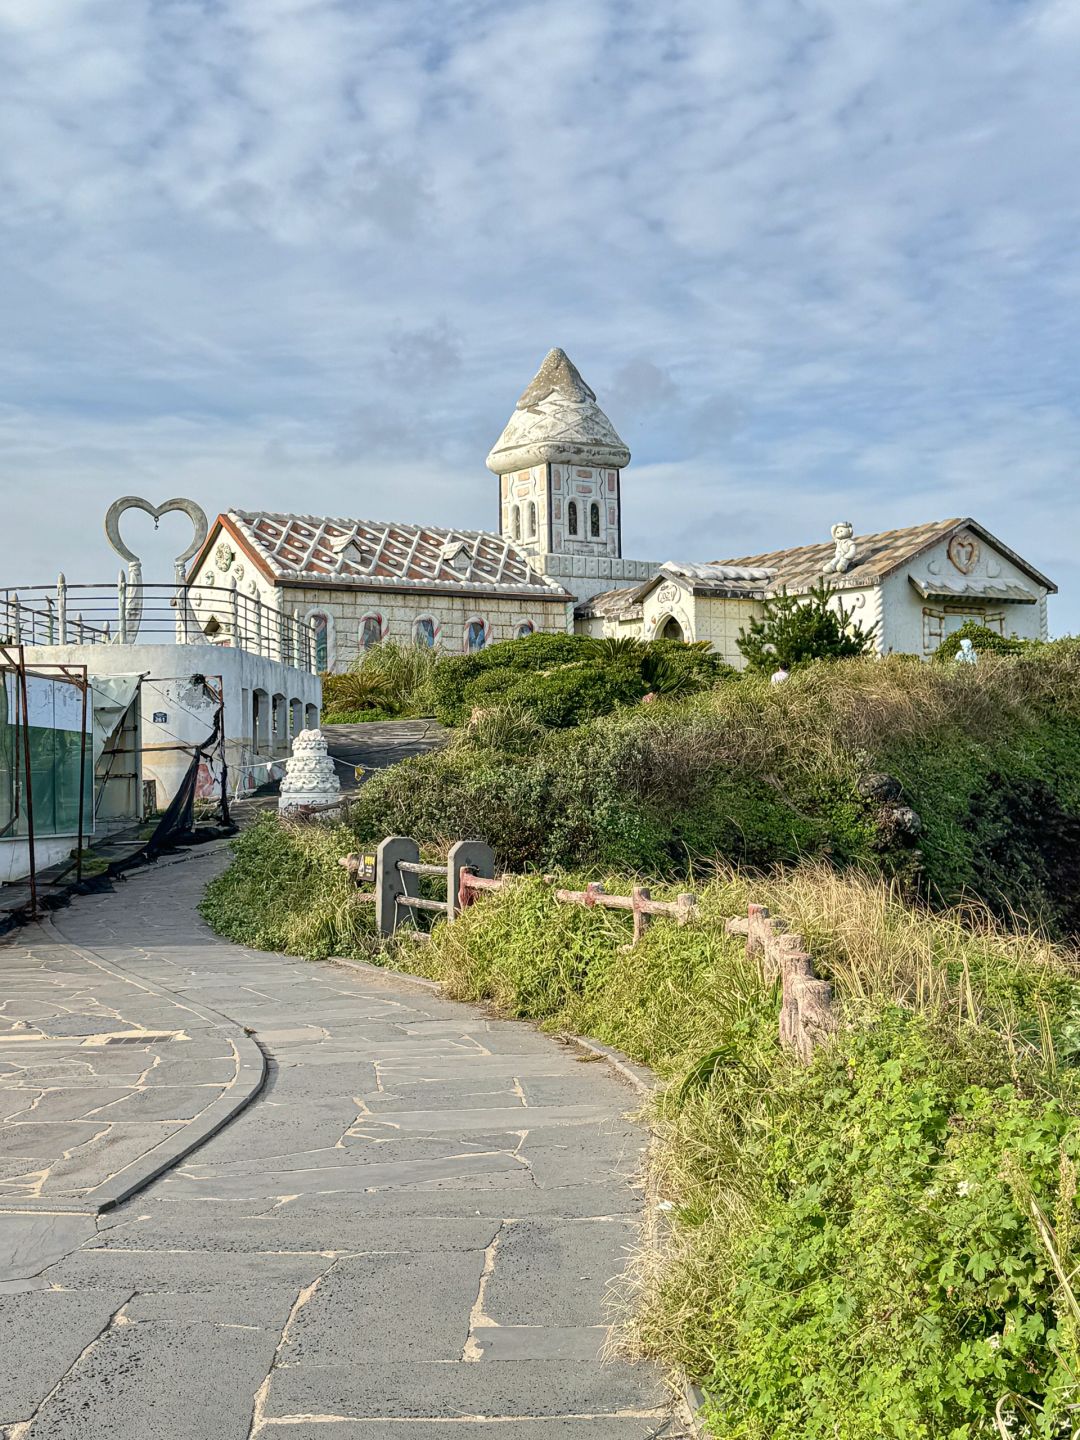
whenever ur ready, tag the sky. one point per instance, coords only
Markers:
(818, 259)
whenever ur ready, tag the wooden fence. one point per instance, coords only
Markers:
(395, 870)
(807, 1017)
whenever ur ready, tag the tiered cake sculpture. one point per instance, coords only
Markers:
(310, 777)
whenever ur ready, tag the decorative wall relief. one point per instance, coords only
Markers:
(963, 552)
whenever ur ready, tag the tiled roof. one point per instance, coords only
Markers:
(311, 549)
(610, 605)
(717, 577)
(875, 556)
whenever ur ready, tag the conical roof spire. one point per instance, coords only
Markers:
(557, 419)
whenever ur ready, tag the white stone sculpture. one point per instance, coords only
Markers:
(844, 557)
(310, 776)
(187, 625)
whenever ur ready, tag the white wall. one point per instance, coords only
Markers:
(917, 626)
(168, 690)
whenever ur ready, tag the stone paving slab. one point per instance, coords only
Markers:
(84, 1113)
(411, 1233)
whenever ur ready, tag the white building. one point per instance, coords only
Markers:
(915, 585)
(557, 562)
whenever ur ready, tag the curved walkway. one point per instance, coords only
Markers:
(407, 1235)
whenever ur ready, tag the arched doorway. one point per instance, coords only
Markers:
(671, 630)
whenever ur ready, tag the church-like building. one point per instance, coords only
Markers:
(557, 562)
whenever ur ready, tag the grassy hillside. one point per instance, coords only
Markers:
(988, 758)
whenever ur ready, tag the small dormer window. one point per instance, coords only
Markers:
(457, 555)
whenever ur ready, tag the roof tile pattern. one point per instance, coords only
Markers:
(312, 549)
(875, 556)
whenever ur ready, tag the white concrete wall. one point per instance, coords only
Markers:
(168, 690)
(586, 575)
(48, 850)
(916, 626)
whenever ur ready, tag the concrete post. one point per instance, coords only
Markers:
(472, 855)
(390, 882)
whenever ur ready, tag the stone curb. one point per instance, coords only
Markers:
(250, 1077)
(249, 1080)
(401, 976)
(640, 1077)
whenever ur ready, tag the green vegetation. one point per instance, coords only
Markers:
(565, 680)
(756, 773)
(387, 681)
(854, 1253)
(985, 641)
(792, 631)
(285, 891)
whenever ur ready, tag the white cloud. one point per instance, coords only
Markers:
(817, 257)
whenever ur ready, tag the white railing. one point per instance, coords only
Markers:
(126, 612)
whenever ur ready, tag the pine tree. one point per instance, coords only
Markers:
(793, 630)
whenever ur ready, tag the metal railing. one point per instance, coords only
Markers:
(130, 611)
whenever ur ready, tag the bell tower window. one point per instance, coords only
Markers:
(594, 520)
(571, 518)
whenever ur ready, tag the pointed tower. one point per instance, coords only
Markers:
(559, 461)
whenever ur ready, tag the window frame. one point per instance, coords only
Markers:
(485, 630)
(378, 619)
(417, 622)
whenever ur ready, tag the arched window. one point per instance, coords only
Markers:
(370, 631)
(515, 522)
(525, 628)
(424, 632)
(594, 520)
(532, 520)
(322, 640)
(571, 518)
(475, 634)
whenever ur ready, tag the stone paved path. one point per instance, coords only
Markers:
(408, 1235)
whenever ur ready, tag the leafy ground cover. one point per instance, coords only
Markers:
(988, 757)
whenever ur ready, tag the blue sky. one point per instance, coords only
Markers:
(818, 258)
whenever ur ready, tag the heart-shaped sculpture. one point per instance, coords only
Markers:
(195, 513)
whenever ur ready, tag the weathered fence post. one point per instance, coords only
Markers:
(390, 882)
(471, 856)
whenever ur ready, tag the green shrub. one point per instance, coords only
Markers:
(988, 756)
(285, 891)
(388, 680)
(792, 630)
(984, 640)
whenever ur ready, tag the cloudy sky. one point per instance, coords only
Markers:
(817, 257)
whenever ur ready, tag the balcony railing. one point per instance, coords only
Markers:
(132, 612)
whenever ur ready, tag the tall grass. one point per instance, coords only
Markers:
(390, 679)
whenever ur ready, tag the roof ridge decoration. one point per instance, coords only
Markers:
(557, 419)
